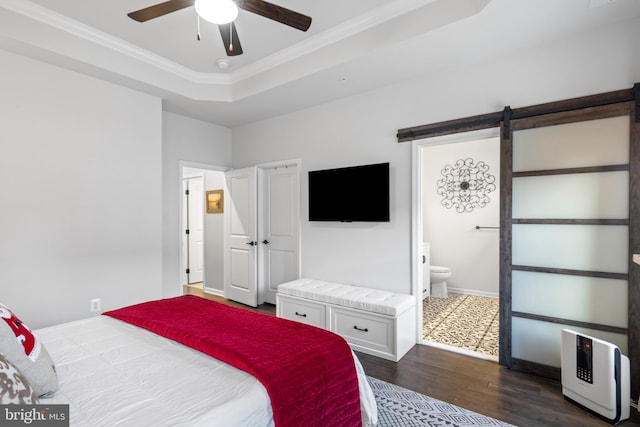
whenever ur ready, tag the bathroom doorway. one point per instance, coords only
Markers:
(457, 221)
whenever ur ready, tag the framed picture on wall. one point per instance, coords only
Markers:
(215, 201)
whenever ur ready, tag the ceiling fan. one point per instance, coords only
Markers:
(223, 12)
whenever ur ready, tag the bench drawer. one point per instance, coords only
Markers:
(304, 311)
(368, 331)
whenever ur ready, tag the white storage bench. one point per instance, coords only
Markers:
(375, 322)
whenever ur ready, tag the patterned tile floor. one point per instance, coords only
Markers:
(464, 321)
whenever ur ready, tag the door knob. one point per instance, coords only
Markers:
(251, 243)
(265, 241)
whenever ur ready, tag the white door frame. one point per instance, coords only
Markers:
(181, 165)
(194, 275)
(416, 207)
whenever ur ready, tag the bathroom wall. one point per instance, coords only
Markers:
(473, 255)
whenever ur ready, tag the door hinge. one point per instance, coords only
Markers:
(186, 192)
(186, 231)
(187, 271)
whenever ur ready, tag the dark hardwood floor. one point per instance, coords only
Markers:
(478, 385)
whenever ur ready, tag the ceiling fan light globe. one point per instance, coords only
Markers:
(217, 11)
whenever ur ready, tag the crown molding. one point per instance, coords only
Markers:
(347, 29)
(329, 37)
(63, 23)
(358, 36)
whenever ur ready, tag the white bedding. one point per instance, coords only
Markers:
(115, 374)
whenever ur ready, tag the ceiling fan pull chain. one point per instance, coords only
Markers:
(198, 27)
(231, 37)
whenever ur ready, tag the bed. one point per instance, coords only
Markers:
(120, 369)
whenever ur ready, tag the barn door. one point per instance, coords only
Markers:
(565, 233)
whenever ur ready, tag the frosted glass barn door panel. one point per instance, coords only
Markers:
(539, 342)
(592, 298)
(574, 247)
(580, 195)
(572, 145)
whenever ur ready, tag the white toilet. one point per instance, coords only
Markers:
(439, 276)
(434, 283)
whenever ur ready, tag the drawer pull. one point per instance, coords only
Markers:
(359, 329)
(301, 314)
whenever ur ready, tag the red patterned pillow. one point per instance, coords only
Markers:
(24, 350)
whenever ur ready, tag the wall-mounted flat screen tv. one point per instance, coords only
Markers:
(356, 193)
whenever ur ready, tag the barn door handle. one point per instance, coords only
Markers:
(265, 241)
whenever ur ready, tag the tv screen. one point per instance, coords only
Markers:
(357, 193)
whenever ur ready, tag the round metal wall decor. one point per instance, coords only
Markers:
(465, 185)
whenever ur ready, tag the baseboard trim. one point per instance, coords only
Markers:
(474, 292)
(459, 350)
(216, 292)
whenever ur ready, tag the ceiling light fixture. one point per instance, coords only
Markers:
(217, 11)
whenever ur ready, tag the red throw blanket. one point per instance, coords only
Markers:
(308, 372)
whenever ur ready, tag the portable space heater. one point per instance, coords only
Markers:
(595, 376)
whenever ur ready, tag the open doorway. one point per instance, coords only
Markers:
(457, 210)
(202, 263)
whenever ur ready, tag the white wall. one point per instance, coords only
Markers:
(191, 142)
(80, 190)
(361, 129)
(334, 135)
(214, 236)
(473, 255)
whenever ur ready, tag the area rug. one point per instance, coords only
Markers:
(399, 407)
(464, 321)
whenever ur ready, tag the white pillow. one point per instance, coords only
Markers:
(24, 350)
(14, 387)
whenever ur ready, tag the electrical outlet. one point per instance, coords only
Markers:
(95, 304)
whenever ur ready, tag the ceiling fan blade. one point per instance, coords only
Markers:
(159, 9)
(277, 13)
(230, 39)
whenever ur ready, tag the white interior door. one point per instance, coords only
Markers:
(279, 228)
(240, 257)
(195, 218)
